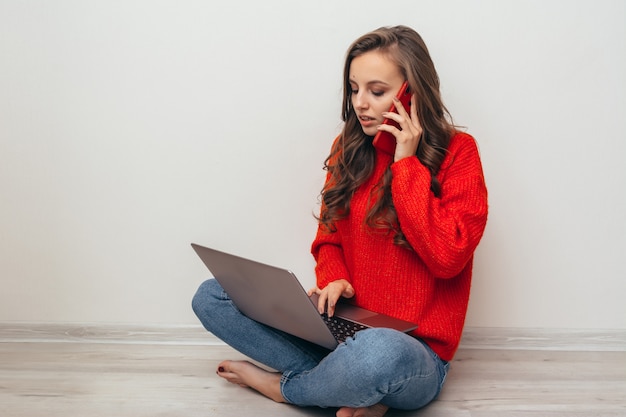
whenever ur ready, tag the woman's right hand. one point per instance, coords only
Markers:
(329, 296)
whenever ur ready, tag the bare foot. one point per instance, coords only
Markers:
(376, 410)
(246, 374)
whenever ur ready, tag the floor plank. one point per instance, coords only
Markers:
(114, 379)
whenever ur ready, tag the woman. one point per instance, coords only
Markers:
(397, 234)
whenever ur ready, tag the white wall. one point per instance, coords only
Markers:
(129, 129)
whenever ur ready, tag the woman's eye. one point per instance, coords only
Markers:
(353, 92)
(378, 93)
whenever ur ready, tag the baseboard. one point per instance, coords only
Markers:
(544, 339)
(106, 333)
(473, 337)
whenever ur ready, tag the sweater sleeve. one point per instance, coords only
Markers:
(444, 231)
(328, 253)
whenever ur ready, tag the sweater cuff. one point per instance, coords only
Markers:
(408, 172)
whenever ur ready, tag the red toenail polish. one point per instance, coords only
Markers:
(220, 369)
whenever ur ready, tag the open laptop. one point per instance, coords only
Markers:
(275, 297)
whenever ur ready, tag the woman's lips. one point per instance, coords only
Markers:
(367, 121)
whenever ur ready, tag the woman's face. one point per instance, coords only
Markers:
(374, 80)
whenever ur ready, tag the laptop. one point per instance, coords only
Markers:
(275, 297)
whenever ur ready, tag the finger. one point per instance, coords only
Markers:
(391, 129)
(416, 126)
(314, 290)
(348, 292)
(399, 107)
(406, 120)
(333, 296)
(393, 116)
(402, 118)
(395, 130)
(331, 307)
(321, 302)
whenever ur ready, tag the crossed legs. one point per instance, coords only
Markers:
(377, 369)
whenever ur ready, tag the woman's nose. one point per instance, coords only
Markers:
(358, 101)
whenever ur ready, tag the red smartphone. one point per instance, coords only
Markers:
(385, 141)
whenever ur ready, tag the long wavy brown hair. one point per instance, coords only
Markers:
(352, 157)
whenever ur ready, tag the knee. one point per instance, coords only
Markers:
(389, 355)
(386, 348)
(379, 338)
(205, 296)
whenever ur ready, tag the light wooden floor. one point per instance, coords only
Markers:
(145, 374)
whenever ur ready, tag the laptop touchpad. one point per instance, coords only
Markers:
(352, 312)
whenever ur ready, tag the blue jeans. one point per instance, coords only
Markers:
(376, 366)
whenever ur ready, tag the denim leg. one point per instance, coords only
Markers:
(376, 366)
(264, 344)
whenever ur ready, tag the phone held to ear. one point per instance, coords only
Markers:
(385, 141)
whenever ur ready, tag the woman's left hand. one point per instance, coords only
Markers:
(330, 294)
(410, 132)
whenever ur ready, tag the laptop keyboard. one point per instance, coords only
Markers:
(342, 328)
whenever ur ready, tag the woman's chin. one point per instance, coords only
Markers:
(370, 131)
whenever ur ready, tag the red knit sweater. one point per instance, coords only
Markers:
(429, 286)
